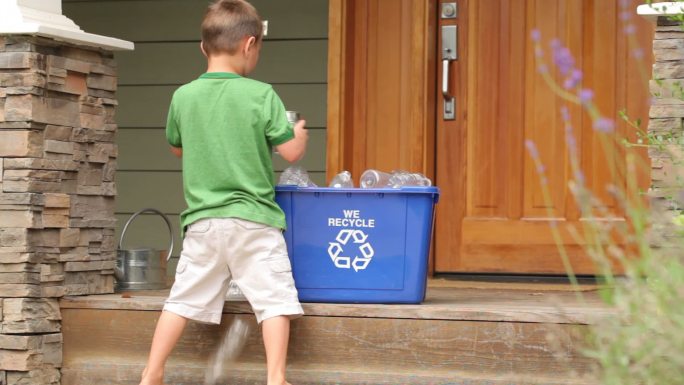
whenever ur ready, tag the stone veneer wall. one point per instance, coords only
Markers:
(57, 164)
(667, 112)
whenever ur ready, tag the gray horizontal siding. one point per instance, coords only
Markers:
(179, 20)
(281, 62)
(166, 33)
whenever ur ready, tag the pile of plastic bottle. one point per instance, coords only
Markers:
(296, 175)
(395, 179)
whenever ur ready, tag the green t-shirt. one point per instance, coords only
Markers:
(227, 125)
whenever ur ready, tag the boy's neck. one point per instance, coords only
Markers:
(226, 63)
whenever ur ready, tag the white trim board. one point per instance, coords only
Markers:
(44, 18)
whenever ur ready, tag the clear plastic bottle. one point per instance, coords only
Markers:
(295, 175)
(342, 180)
(234, 293)
(402, 178)
(374, 179)
(292, 116)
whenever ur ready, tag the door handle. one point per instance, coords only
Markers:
(449, 54)
(445, 78)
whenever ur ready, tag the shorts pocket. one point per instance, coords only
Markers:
(280, 265)
(199, 227)
(182, 264)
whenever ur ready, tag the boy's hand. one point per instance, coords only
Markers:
(294, 149)
(300, 131)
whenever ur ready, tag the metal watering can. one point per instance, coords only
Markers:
(141, 269)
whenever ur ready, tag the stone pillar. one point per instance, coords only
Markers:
(57, 164)
(666, 116)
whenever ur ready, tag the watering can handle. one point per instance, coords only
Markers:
(148, 210)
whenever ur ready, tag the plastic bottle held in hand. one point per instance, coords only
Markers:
(292, 116)
(374, 179)
(402, 178)
(342, 180)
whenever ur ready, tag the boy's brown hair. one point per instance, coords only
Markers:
(226, 23)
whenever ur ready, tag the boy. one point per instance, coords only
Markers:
(224, 127)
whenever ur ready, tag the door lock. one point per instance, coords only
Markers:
(449, 10)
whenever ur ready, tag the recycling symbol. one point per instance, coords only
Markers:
(341, 259)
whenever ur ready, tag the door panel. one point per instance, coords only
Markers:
(493, 216)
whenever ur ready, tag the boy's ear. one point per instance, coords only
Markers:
(250, 43)
(204, 52)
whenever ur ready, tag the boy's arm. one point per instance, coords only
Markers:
(294, 149)
(177, 151)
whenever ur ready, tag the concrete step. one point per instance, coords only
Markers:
(106, 341)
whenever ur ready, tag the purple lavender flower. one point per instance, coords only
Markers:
(573, 80)
(532, 148)
(563, 59)
(604, 125)
(630, 29)
(536, 35)
(565, 113)
(543, 68)
(570, 138)
(540, 168)
(585, 95)
(625, 15)
(625, 3)
(568, 84)
(638, 53)
(572, 144)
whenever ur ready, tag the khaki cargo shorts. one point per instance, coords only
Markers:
(253, 255)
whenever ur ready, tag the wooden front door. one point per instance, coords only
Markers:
(385, 111)
(492, 216)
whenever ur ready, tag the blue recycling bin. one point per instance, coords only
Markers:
(359, 245)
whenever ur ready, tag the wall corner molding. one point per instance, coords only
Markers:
(44, 18)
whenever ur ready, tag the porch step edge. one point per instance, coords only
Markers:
(468, 309)
(253, 374)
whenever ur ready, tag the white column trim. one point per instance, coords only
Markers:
(665, 8)
(44, 18)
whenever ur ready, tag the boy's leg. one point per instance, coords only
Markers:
(261, 268)
(198, 292)
(169, 330)
(276, 332)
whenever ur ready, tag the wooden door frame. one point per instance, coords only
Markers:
(347, 58)
(339, 64)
